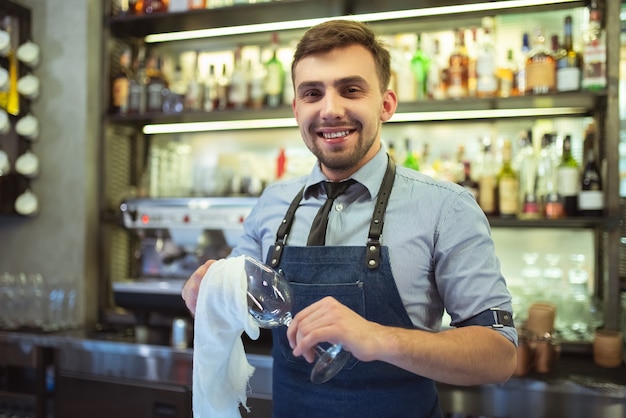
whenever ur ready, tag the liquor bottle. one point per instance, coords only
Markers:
(472, 62)
(458, 67)
(467, 182)
(210, 90)
(410, 160)
(591, 197)
(426, 166)
(521, 67)
(568, 179)
(525, 164)
(120, 84)
(487, 84)
(137, 85)
(507, 76)
(419, 66)
(174, 95)
(239, 90)
(436, 88)
(487, 181)
(540, 68)
(223, 87)
(274, 74)
(155, 85)
(594, 52)
(568, 62)
(195, 88)
(257, 86)
(406, 82)
(508, 184)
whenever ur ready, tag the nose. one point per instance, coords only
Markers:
(332, 106)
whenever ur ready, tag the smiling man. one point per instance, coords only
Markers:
(400, 247)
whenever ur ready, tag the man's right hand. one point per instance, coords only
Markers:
(192, 286)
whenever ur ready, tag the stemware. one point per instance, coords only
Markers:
(270, 303)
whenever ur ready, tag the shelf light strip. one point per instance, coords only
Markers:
(171, 128)
(366, 17)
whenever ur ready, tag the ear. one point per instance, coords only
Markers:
(390, 104)
(293, 108)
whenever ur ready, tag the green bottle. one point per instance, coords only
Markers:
(411, 160)
(419, 65)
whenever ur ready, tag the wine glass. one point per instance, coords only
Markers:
(270, 303)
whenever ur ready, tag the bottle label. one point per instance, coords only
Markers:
(567, 181)
(594, 57)
(540, 75)
(591, 200)
(568, 79)
(508, 200)
(273, 82)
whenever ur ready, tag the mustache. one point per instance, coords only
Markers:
(351, 124)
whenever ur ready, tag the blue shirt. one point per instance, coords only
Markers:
(441, 250)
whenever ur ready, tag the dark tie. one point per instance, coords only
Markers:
(317, 236)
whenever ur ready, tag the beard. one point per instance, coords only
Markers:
(343, 158)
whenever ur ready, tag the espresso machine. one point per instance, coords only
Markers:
(174, 237)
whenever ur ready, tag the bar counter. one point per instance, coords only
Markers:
(575, 387)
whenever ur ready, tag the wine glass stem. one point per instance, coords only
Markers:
(286, 321)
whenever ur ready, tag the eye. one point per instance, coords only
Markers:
(310, 94)
(352, 90)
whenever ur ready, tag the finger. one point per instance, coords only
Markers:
(191, 287)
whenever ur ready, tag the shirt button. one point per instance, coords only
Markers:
(339, 207)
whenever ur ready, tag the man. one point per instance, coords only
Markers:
(380, 291)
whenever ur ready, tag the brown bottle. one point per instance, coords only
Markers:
(120, 84)
(458, 68)
(155, 86)
(540, 68)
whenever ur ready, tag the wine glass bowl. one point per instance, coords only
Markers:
(270, 303)
(269, 295)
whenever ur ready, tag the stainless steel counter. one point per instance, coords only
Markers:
(575, 388)
(112, 357)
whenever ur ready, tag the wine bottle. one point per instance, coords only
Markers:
(568, 179)
(591, 197)
(568, 62)
(508, 184)
(274, 74)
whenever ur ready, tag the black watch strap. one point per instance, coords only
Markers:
(494, 317)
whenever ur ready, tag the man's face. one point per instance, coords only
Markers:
(339, 108)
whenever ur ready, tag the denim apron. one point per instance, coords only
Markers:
(360, 278)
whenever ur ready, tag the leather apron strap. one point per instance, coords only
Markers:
(372, 258)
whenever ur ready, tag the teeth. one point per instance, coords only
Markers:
(335, 134)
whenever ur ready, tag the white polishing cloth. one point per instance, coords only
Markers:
(220, 368)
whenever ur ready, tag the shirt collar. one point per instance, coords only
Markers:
(370, 175)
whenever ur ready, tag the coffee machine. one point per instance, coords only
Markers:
(174, 237)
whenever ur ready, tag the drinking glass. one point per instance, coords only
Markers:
(270, 303)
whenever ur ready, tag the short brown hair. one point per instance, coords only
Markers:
(341, 33)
